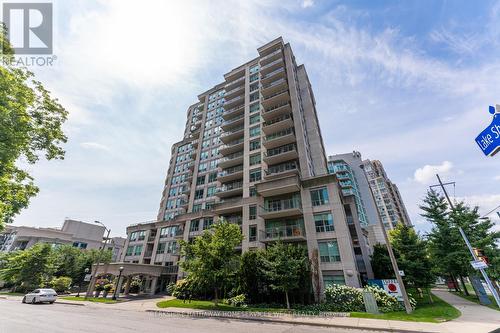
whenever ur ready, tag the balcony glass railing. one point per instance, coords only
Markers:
(234, 81)
(281, 69)
(280, 150)
(277, 107)
(232, 156)
(272, 63)
(270, 55)
(282, 168)
(234, 110)
(282, 204)
(235, 90)
(232, 143)
(236, 99)
(230, 186)
(279, 134)
(286, 231)
(233, 120)
(230, 171)
(266, 98)
(277, 120)
(233, 131)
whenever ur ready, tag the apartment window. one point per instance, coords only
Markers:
(253, 191)
(319, 196)
(130, 250)
(212, 177)
(254, 69)
(196, 208)
(252, 212)
(254, 97)
(161, 248)
(133, 236)
(207, 222)
(323, 222)
(202, 167)
(204, 155)
(209, 205)
(254, 107)
(200, 180)
(255, 159)
(80, 245)
(213, 164)
(254, 144)
(137, 250)
(329, 280)
(254, 77)
(211, 191)
(255, 175)
(171, 247)
(252, 233)
(254, 86)
(254, 131)
(194, 226)
(329, 251)
(198, 194)
(141, 235)
(254, 119)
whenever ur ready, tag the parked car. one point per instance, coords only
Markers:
(40, 296)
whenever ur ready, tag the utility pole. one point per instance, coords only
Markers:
(466, 240)
(94, 273)
(394, 263)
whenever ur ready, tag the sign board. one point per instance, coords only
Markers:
(478, 264)
(479, 289)
(390, 286)
(370, 302)
(402, 273)
(489, 139)
(87, 277)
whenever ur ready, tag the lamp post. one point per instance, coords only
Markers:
(80, 285)
(94, 277)
(117, 283)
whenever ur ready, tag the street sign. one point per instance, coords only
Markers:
(478, 264)
(87, 277)
(390, 286)
(489, 139)
(402, 273)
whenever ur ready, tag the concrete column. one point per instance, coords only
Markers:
(119, 285)
(154, 282)
(127, 285)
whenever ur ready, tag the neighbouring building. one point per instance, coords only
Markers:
(79, 234)
(115, 245)
(252, 153)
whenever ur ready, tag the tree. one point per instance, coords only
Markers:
(30, 125)
(381, 262)
(285, 264)
(252, 279)
(413, 257)
(211, 259)
(30, 268)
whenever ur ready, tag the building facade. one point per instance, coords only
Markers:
(76, 233)
(252, 153)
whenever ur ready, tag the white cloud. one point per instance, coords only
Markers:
(307, 3)
(497, 177)
(485, 202)
(94, 145)
(427, 173)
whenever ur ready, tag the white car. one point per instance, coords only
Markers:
(40, 296)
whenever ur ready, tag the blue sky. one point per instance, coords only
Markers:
(406, 82)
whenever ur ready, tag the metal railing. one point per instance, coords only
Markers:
(286, 231)
(280, 150)
(279, 134)
(282, 204)
(282, 168)
(230, 171)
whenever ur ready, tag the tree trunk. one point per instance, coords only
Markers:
(455, 282)
(466, 292)
(216, 298)
(430, 295)
(287, 302)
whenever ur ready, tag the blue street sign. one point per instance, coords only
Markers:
(489, 139)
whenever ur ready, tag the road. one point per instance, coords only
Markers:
(27, 318)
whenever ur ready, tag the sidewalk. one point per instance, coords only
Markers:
(475, 318)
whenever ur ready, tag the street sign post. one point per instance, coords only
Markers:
(478, 264)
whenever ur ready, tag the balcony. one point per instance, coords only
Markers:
(195, 143)
(272, 76)
(271, 57)
(274, 86)
(281, 208)
(234, 112)
(281, 154)
(282, 170)
(186, 190)
(276, 111)
(233, 83)
(229, 206)
(230, 189)
(278, 186)
(231, 147)
(238, 120)
(345, 183)
(295, 232)
(233, 134)
(278, 139)
(190, 165)
(236, 101)
(273, 65)
(342, 176)
(231, 160)
(277, 98)
(278, 124)
(172, 269)
(235, 92)
(347, 192)
(230, 174)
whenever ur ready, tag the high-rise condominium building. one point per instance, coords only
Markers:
(387, 197)
(251, 153)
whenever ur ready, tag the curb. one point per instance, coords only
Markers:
(291, 322)
(69, 303)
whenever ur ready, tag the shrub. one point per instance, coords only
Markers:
(386, 302)
(135, 285)
(61, 284)
(108, 287)
(170, 288)
(238, 300)
(343, 298)
(182, 289)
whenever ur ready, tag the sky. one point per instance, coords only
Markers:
(404, 82)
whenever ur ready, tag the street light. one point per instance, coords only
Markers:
(93, 278)
(117, 283)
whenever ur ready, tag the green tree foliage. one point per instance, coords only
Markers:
(413, 257)
(30, 125)
(211, 260)
(252, 279)
(61, 284)
(284, 265)
(28, 269)
(381, 262)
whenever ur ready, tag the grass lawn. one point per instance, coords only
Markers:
(436, 312)
(90, 299)
(209, 305)
(11, 294)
